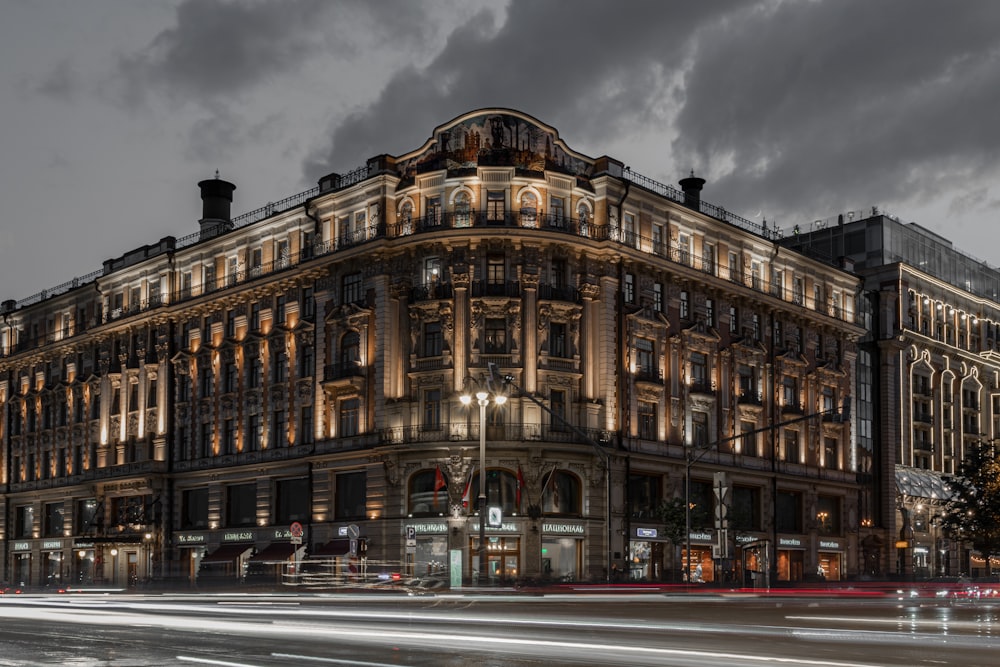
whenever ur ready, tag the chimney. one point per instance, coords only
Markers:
(692, 186)
(216, 196)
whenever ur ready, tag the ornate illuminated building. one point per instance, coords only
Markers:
(929, 378)
(176, 413)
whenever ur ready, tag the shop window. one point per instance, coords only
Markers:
(644, 495)
(291, 500)
(53, 524)
(744, 514)
(561, 494)
(350, 500)
(428, 493)
(241, 505)
(194, 509)
(828, 515)
(789, 512)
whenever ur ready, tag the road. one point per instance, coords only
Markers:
(494, 631)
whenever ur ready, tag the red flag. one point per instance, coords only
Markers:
(438, 484)
(520, 484)
(468, 488)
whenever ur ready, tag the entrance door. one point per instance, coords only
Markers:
(132, 561)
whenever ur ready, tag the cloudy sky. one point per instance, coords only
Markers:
(111, 111)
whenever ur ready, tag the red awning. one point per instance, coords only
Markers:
(338, 547)
(227, 553)
(275, 552)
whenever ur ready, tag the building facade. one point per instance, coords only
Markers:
(929, 378)
(183, 412)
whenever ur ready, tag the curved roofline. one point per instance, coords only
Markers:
(497, 110)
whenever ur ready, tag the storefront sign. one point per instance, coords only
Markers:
(429, 528)
(645, 532)
(562, 528)
(701, 536)
(245, 536)
(189, 538)
(21, 546)
(789, 542)
(51, 544)
(831, 544)
(746, 539)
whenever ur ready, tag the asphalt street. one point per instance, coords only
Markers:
(495, 630)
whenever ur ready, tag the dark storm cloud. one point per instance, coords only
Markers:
(805, 108)
(224, 48)
(592, 65)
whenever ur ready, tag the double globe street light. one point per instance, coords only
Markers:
(483, 393)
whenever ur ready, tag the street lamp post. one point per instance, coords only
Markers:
(482, 396)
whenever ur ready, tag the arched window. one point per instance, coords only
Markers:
(501, 490)
(428, 493)
(406, 218)
(583, 215)
(463, 207)
(529, 209)
(561, 494)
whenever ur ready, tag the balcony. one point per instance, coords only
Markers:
(343, 371)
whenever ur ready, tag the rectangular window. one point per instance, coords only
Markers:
(349, 415)
(699, 428)
(280, 306)
(557, 211)
(255, 316)
(831, 453)
(557, 403)
(684, 248)
(658, 297)
(229, 436)
(496, 336)
(644, 495)
(351, 289)
(647, 420)
(734, 268)
(699, 372)
(744, 515)
(432, 410)
(53, 525)
(495, 270)
(495, 206)
(279, 428)
(792, 446)
(628, 290)
(734, 320)
(557, 340)
(644, 362)
(350, 501)
(230, 377)
(748, 442)
(255, 433)
(256, 372)
(291, 500)
(433, 341)
(194, 509)
(280, 366)
(789, 512)
(241, 505)
(433, 211)
(708, 258)
(685, 305)
(282, 253)
(306, 427)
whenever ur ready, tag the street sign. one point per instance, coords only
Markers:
(353, 546)
(411, 533)
(496, 517)
(296, 531)
(353, 531)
